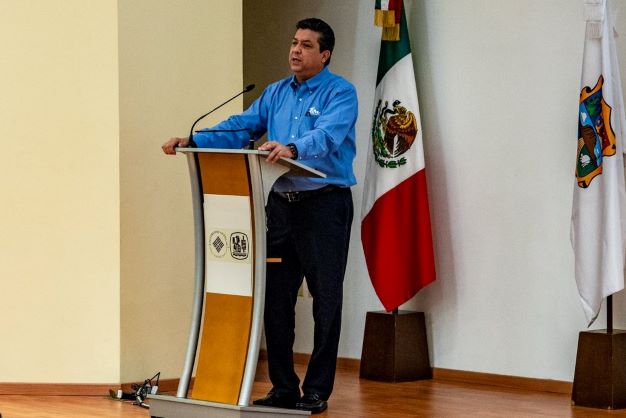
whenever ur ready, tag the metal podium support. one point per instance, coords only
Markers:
(229, 193)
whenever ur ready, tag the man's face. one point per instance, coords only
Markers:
(305, 57)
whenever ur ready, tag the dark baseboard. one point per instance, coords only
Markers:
(513, 382)
(349, 364)
(60, 389)
(461, 376)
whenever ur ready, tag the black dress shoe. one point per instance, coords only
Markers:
(278, 400)
(312, 403)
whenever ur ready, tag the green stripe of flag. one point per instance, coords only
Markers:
(393, 51)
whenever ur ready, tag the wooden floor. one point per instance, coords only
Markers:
(352, 398)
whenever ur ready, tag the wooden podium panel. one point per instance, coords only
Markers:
(229, 277)
(223, 348)
(224, 174)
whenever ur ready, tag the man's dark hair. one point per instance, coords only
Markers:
(326, 34)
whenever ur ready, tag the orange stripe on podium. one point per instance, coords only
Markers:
(225, 174)
(223, 348)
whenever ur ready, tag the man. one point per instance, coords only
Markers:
(310, 117)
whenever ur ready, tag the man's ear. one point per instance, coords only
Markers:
(325, 56)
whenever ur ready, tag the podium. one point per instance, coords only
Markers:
(229, 193)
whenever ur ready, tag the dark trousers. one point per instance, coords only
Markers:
(311, 236)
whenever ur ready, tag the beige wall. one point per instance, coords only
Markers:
(59, 251)
(177, 60)
(96, 255)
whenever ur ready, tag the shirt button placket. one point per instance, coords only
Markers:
(294, 111)
(298, 114)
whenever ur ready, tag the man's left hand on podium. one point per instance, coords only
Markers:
(277, 150)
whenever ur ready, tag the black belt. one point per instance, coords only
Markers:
(298, 196)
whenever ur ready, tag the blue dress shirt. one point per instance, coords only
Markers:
(318, 116)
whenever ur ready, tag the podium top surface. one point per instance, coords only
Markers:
(295, 167)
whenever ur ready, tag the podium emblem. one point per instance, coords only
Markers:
(217, 244)
(229, 245)
(239, 245)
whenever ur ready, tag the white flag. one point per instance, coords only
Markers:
(598, 210)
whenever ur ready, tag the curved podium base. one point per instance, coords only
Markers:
(172, 407)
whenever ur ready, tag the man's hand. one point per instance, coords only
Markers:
(172, 143)
(277, 150)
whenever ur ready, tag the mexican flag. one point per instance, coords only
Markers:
(395, 223)
(598, 223)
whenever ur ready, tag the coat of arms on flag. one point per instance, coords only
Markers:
(393, 132)
(596, 138)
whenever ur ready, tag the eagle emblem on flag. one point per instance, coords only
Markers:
(394, 129)
(596, 138)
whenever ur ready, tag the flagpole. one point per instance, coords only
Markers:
(609, 314)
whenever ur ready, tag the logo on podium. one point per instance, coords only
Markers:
(217, 244)
(229, 245)
(239, 245)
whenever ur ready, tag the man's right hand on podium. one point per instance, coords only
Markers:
(172, 143)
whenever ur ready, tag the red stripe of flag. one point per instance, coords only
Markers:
(397, 242)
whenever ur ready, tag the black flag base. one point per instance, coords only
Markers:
(395, 348)
(600, 375)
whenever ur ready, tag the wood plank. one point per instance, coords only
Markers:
(51, 389)
(223, 348)
(348, 364)
(517, 382)
(224, 174)
(76, 389)
(352, 398)
(360, 398)
(20, 406)
(473, 378)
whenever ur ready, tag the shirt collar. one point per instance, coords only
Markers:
(313, 82)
